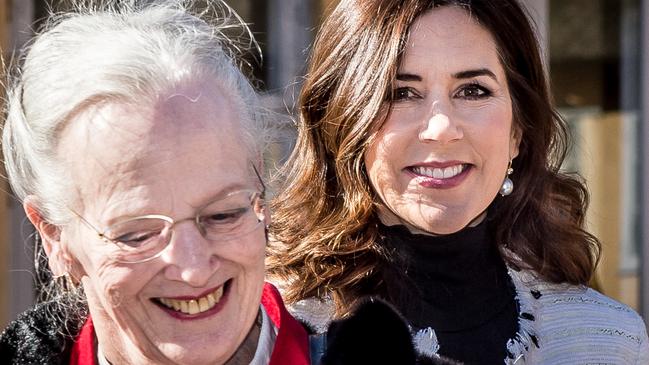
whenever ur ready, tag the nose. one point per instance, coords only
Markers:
(440, 126)
(190, 257)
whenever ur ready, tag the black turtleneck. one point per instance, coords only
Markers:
(456, 284)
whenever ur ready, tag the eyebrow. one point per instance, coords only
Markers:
(467, 74)
(230, 188)
(141, 211)
(408, 77)
(475, 73)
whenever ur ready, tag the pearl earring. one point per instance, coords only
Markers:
(508, 184)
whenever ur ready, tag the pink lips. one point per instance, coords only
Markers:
(439, 175)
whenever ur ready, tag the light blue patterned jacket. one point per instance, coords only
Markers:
(558, 324)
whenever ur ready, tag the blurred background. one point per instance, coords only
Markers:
(597, 54)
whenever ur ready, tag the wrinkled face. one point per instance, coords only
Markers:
(441, 156)
(169, 158)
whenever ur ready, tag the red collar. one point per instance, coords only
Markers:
(83, 350)
(291, 344)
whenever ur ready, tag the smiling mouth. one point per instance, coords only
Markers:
(196, 305)
(439, 173)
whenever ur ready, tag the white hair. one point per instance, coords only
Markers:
(116, 50)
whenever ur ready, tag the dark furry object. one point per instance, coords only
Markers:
(37, 337)
(375, 333)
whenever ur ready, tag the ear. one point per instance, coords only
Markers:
(515, 141)
(57, 254)
(259, 172)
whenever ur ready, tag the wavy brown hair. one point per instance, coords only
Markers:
(324, 217)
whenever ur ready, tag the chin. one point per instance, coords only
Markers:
(442, 229)
(196, 357)
(441, 224)
(199, 361)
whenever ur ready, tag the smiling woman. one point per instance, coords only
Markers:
(135, 144)
(427, 173)
(460, 112)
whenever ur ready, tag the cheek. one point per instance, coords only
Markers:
(112, 283)
(381, 156)
(250, 259)
(392, 136)
(370, 159)
(86, 251)
(491, 131)
(117, 286)
(249, 252)
(373, 167)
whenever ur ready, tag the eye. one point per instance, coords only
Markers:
(136, 233)
(403, 94)
(473, 92)
(137, 239)
(223, 219)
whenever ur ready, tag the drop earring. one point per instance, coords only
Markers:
(508, 184)
(65, 281)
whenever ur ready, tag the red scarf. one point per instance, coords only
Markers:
(291, 345)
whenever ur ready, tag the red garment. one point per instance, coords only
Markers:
(292, 342)
(291, 345)
(83, 351)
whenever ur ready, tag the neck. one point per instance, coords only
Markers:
(244, 355)
(246, 352)
(388, 218)
(440, 279)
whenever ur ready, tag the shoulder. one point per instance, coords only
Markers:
(314, 313)
(292, 341)
(581, 321)
(37, 337)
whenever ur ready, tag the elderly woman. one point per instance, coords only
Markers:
(135, 145)
(427, 173)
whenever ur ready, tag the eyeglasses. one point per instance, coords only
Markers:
(143, 238)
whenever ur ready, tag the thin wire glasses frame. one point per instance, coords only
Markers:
(143, 238)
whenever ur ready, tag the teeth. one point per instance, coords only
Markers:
(218, 293)
(194, 306)
(176, 305)
(449, 172)
(439, 173)
(202, 305)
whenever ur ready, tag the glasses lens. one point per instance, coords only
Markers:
(140, 238)
(233, 216)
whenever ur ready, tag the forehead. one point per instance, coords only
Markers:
(451, 38)
(178, 149)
